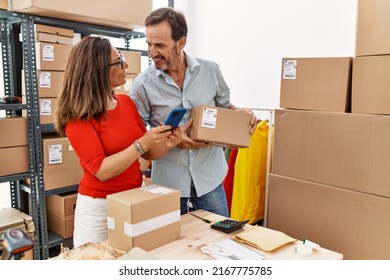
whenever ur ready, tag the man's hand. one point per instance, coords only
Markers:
(186, 142)
(253, 120)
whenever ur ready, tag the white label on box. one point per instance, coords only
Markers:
(151, 224)
(289, 70)
(45, 80)
(157, 189)
(48, 52)
(110, 223)
(45, 107)
(209, 118)
(55, 154)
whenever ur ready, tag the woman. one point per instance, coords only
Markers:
(106, 132)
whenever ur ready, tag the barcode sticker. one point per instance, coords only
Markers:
(55, 154)
(209, 118)
(45, 107)
(44, 80)
(289, 70)
(48, 53)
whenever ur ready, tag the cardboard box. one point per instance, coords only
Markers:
(133, 59)
(61, 166)
(47, 107)
(125, 88)
(124, 14)
(221, 127)
(145, 217)
(372, 35)
(15, 132)
(11, 218)
(370, 85)
(14, 160)
(51, 56)
(350, 151)
(63, 226)
(65, 32)
(322, 84)
(352, 223)
(62, 205)
(60, 213)
(49, 83)
(55, 39)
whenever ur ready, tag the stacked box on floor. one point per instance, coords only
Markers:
(60, 213)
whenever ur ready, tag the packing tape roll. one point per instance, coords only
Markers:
(303, 250)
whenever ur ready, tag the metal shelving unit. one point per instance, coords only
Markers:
(43, 239)
(9, 21)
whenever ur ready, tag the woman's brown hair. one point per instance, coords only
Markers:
(86, 87)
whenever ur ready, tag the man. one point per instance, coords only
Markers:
(179, 80)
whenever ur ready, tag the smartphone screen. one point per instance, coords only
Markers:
(175, 117)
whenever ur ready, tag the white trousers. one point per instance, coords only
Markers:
(90, 220)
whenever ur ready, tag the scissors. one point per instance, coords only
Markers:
(215, 250)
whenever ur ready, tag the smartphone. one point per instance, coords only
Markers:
(175, 117)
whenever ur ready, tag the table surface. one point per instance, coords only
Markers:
(196, 233)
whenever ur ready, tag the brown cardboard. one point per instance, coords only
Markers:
(65, 32)
(221, 127)
(49, 83)
(62, 205)
(63, 226)
(47, 107)
(125, 14)
(370, 84)
(145, 217)
(125, 88)
(322, 84)
(352, 223)
(4, 4)
(14, 160)
(62, 167)
(372, 34)
(133, 59)
(14, 132)
(55, 39)
(11, 218)
(349, 151)
(50, 56)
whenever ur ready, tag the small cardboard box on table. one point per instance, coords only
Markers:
(146, 217)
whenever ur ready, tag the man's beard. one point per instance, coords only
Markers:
(170, 61)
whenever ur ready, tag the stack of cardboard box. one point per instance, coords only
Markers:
(60, 213)
(13, 146)
(53, 46)
(133, 59)
(329, 180)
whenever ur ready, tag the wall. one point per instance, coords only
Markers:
(249, 38)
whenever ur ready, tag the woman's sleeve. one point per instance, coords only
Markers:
(85, 142)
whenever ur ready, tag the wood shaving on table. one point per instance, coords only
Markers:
(89, 251)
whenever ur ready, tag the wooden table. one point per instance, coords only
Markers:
(195, 233)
